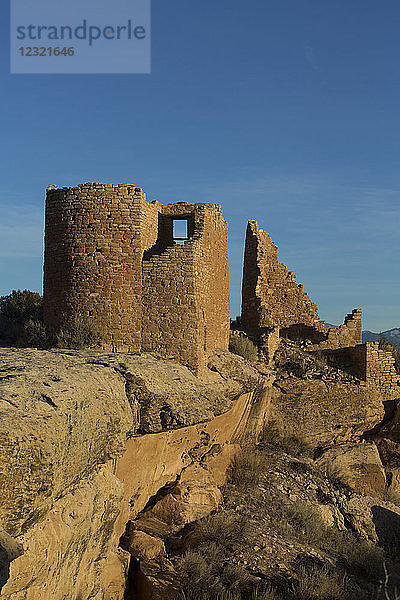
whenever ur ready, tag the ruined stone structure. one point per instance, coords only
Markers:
(271, 297)
(111, 257)
(373, 366)
(347, 334)
(272, 301)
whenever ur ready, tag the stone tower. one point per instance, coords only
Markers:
(112, 257)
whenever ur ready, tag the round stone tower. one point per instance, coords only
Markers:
(94, 239)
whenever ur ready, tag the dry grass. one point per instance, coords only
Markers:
(356, 555)
(247, 468)
(222, 529)
(290, 442)
(243, 346)
(78, 333)
(320, 583)
(256, 594)
(207, 572)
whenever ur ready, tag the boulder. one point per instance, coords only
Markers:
(357, 465)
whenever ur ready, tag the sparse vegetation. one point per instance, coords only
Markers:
(78, 333)
(247, 467)
(222, 529)
(243, 346)
(355, 554)
(21, 319)
(290, 442)
(321, 583)
(207, 573)
(267, 594)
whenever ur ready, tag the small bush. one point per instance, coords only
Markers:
(291, 443)
(305, 519)
(320, 583)
(222, 528)
(78, 333)
(247, 468)
(21, 319)
(206, 573)
(243, 346)
(334, 475)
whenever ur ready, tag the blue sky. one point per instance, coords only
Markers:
(285, 111)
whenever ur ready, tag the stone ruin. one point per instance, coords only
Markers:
(119, 261)
(274, 304)
(112, 257)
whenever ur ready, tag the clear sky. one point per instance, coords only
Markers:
(286, 111)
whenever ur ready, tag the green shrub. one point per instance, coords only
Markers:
(243, 346)
(21, 319)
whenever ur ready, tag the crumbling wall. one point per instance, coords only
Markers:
(186, 287)
(348, 334)
(93, 252)
(380, 370)
(271, 295)
(373, 366)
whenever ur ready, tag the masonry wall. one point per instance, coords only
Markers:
(93, 252)
(373, 366)
(185, 302)
(271, 295)
(348, 334)
(111, 259)
(380, 371)
(211, 262)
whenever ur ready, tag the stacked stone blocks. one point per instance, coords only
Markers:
(271, 297)
(110, 257)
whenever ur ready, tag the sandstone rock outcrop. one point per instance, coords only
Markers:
(87, 439)
(358, 465)
(339, 412)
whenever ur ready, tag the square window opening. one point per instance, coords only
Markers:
(180, 231)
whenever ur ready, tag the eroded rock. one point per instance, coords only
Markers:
(358, 465)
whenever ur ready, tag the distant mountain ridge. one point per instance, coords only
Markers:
(392, 335)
